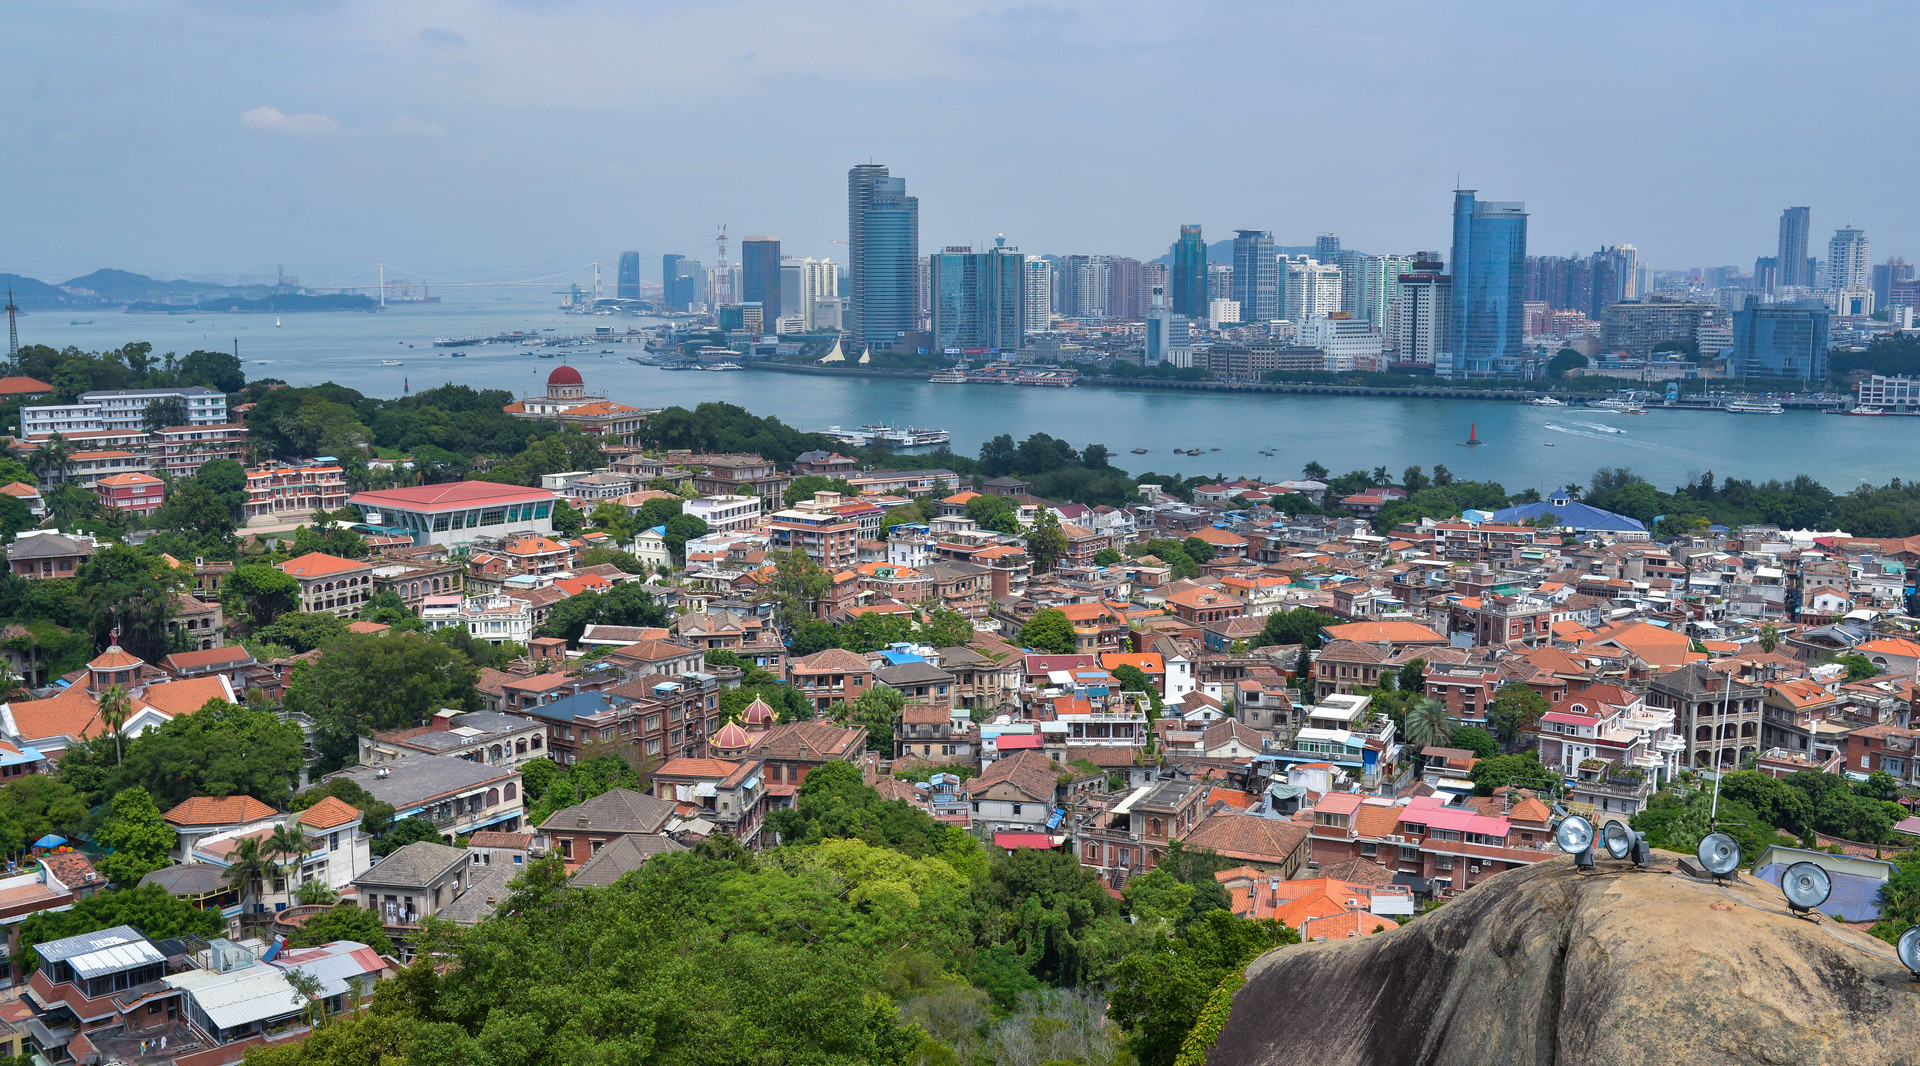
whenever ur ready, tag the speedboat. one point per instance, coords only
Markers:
(1546, 401)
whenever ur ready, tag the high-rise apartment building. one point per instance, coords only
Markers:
(1167, 334)
(1421, 329)
(1489, 286)
(1883, 277)
(1220, 281)
(803, 282)
(1126, 288)
(1783, 341)
(1039, 302)
(760, 276)
(1794, 268)
(978, 298)
(1190, 273)
(1313, 288)
(1256, 281)
(1348, 261)
(860, 181)
(627, 285)
(1326, 247)
(1848, 271)
(1375, 282)
(1635, 327)
(887, 281)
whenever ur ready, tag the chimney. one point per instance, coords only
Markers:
(443, 719)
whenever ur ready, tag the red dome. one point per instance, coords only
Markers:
(564, 375)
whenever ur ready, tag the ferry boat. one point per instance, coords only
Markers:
(949, 377)
(1546, 401)
(1865, 411)
(911, 437)
(1755, 407)
(723, 366)
(1612, 405)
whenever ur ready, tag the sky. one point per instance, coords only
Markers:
(493, 139)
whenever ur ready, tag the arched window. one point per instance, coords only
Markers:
(513, 790)
(493, 796)
(1705, 732)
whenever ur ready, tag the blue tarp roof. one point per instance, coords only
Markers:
(1571, 513)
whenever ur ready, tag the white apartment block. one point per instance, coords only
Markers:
(724, 514)
(123, 410)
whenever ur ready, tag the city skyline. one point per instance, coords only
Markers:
(420, 120)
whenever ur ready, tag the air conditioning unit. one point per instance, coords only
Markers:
(1473, 869)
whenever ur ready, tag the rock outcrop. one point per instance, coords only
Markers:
(1547, 966)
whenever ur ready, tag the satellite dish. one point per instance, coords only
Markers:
(1807, 886)
(1909, 950)
(1619, 839)
(1575, 837)
(1720, 854)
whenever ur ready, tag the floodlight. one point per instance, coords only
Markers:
(1807, 886)
(1720, 854)
(1619, 839)
(1909, 950)
(1575, 837)
(1642, 851)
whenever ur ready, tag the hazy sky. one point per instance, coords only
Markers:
(500, 139)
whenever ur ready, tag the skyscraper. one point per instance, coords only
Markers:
(1782, 341)
(680, 282)
(628, 285)
(1793, 268)
(1256, 282)
(978, 298)
(1848, 271)
(1313, 290)
(1039, 304)
(1883, 277)
(1375, 283)
(669, 273)
(760, 276)
(1126, 289)
(860, 181)
(1422, 313)
(1220, 280)
(1190, 273)
(1489, 286)
(1326, 247)
(887, 281)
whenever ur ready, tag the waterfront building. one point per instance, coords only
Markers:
(1348, 343)
(1422, 326)
(1039, 294)
(1848, 273)
(747, 318)
(1489, 284)
(1374, 283)
(627, 287)
(1897, 392)
(886, 285)
(1785, 341)
(1190, 273)
(1634, 328)
(978, 298)
(1256, 283)
(860, 181)
(760, 276)
(1793, 269)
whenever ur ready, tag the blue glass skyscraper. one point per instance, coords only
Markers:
(628, 285)
(889, 277)
(1256, 275)
(1784, 341)
(1190, 273)
(978, 298)
(1489, 286)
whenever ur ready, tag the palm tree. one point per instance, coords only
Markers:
(289, 841)
(115, 708)
(1428, 723)
(252, 865)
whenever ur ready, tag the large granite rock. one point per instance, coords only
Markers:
(1546, 966)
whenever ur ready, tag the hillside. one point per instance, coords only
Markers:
(1543, 966)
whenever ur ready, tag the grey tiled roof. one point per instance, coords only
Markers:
(621, 856)
(483, 896)
(414, 866)
(414, 779)
(619, 811)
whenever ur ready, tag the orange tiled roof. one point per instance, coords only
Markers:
(319, 564)
(330, 813)
(219, 810)
(175, 698)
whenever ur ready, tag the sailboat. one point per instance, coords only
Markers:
(276, 322)
(1473, 436)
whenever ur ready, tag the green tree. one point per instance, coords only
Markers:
(343, 921)
(1046, 541)
(1157, 897)
(1413, 676)
(1859, 667)
(1428, 723)
(33, 805)
(366, 684)
(1769, 638)
(1564, 360)
(303, 630)
(1108, 557)
(222, 749)
(1159, 993)
(1198, 550)
(567, 519)
(1474, 739)
(1049, 631)
(1524, 770)
(878, 709)
(405, 831)
(796, 587)
(115, 707)
(250, 867)
(165, 412)
(263, 592)
(1514, 710)
(1302, 625)
(802, 488)
(149, 909)
(680, 529)
(138, 836)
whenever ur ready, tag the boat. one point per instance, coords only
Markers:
(547, 355)
(261, 362)
(949, 377)
(1473, 436)
(1864, 411)
(1550, 425)
(390, 362)
(89, 322)
(1546, 401)
(1612, 405)
(276, 322)
(723, 366)
(1139, 451)
(911, 437)
(1598, 428)
(1754, 407)
(459, 355)
(1549, 444)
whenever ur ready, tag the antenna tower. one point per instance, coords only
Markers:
(723, 272)
(13, 330)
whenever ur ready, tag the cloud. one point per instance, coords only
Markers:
(408, 126)
(274, 120)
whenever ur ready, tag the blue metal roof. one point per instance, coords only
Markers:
(1571, 513)
(571, 707)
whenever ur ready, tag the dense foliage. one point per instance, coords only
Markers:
(149, 909)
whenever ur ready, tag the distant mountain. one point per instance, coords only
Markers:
(118, 288)
(121, 286)
(32, 294)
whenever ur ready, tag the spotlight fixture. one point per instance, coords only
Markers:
(1575, 837)
(1909, 950)
(1807, 886)
(1720, 854)
(1623, 843)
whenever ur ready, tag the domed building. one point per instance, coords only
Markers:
(758, 716)
(730, 742)
(567, 401)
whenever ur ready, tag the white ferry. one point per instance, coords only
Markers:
(1755, 407)
(1546, 401)
(949, 377)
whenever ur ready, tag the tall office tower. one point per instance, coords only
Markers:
(1375, 282)
(1783, 341)
(1220, 280)
(670, 292)
(1082, 281)
(1766, 273)
(793, 294)
(1642, 281)
(1313, 289)
(1039, 303)
(1422, 326)
(888, 278)
(1489, 286)
(1348, 261)
(1847, 268)
(979, 298)
(860, 181)
(628, 285)
(1256, 281)
(1795, 269)
(760, 276)
(802, 283)
(1326, 247)
(1152, 274)
(1126, 288)
(1883, 277)
(1158, 328)
(1190, 273)
(1628, 258)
